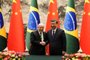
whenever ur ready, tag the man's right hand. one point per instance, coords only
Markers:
(43, 43)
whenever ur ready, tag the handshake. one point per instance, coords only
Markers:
(43, 43)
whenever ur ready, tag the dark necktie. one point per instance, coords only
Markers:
(40, 34)
(53, 32)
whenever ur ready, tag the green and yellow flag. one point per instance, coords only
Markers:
(33, 21)
(3, 38)
(70, 27)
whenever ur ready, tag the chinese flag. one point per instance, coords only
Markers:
(52, 15)
(16, 40)
(85, 29)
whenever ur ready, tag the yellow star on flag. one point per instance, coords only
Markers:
(14, 1)
(51, 1)
(87, 1)
(84, 13)
(53, 13)
(89, 13)
(48, 12)
(16, 13)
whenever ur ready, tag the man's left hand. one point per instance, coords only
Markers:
(43, 43)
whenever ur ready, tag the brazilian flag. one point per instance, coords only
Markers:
(3, 39)
(70, 27)
(33, 21)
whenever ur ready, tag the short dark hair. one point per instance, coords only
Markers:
(54, 21)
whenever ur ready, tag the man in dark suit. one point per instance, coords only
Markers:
(38, 41)
(57, 39)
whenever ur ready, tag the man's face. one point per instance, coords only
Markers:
(53, 25)
(41, 28)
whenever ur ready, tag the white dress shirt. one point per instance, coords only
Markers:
(42, 37)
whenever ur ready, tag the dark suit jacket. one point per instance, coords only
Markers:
(36, 48)
(57, 42)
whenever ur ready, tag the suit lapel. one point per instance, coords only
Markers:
(51, 36)
(56, 33)
(38, 35)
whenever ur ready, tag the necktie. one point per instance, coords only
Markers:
(53, 32)
(40, 35)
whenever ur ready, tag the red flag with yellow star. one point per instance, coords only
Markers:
(52, 15)
(16, 40)
(85, 29)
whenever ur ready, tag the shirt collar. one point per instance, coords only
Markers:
(54, 29)
(39, 32)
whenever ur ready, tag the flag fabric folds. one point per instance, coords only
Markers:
(85, 29)
(70, 27)
(33, 21)
(16, 41)
(3, 38)
(52, 15)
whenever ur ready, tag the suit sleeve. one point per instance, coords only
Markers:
(46, 39)
(64, 41)
(33, 39)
